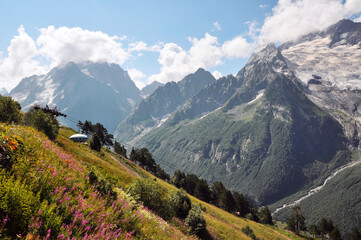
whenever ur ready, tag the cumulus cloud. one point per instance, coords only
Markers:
(216, 74)
(216, 26)
(57, 45)
(292, 18)
(20, 60)
(237, 48)
(75, 44)
(206, 52)
(137, 76)
(142, 46)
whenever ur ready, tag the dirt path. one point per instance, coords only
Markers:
(317, 189)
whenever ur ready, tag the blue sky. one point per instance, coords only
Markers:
(153, 40)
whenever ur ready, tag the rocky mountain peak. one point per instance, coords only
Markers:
(344, 32)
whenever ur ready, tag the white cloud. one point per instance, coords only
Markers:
(263, 6)
(138, 77)
(57, 45)
(292, 18)
(216, 74)
(19, 62)
(206, 52)
(142, 46)
(75, 44)
(237, 48)
(216, 26)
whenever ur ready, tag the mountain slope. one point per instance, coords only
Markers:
(65, 183)
(99, 92)
(155, 109)
(149, 89)
(268, 135)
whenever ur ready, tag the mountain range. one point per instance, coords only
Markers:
(277, 129)
(99, 92)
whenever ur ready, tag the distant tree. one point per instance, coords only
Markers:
(120, 149)
(265, 216)
(102, 132)
(181, 204)
(95, 143)
(296, 222)
(314, 231)
(226, 201)
(9, 110)
(153, 196)
(325, 226)
(190, 183)
(335, 234)
(87, 127)
(355, 234)
(44, 122)
(202, 191)
(80, 125)
(179, 179)
(195, 221)
(243, 206)
(217, 190)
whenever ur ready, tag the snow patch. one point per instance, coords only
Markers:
(86, 72)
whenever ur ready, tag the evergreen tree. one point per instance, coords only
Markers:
(120, 149)
(217, 190)
(355, 234)
(243, 206)
(181, 204)
(265, 216)
(297, 221)
(226, 201)
(95, 143)
(202, 191)
(335, 234)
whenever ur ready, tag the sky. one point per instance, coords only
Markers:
(154, 40)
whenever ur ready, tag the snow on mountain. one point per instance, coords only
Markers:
(334, 55)
(339, 65)
(99, 92)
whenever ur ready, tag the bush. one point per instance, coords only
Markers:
(18, 204)
(9, 110)
(44, 122)
(249, 232)
(181, 204)
(152, 196)
(95, 143)
(195, 221)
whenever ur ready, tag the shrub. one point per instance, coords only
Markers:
(249, 232)
(9, 110)
(44, 122)
(18, 204)
(153, 196)
(181, 204)
(195, 221)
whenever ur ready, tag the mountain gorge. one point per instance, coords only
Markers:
(99, 92)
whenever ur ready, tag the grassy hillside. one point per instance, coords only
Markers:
(65, 190)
